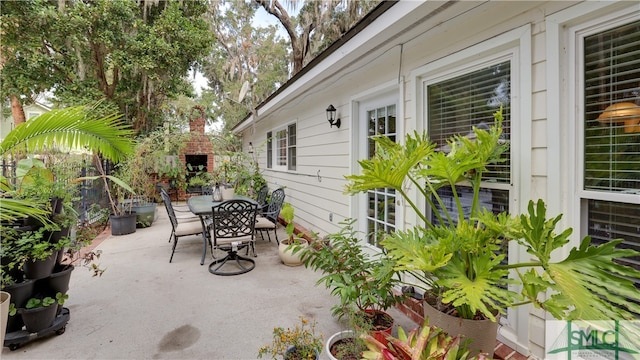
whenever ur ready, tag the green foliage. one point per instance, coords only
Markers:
(459, 262)
(61, 298)
(302, 337)
(361, 281)
(33, 303)
(424, 343)
(242, 53)
(135, 55)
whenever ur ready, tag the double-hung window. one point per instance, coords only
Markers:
(281, 148)
(609, 143)
(455, 106)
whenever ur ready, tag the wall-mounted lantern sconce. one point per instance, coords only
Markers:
(331, 116)
(250, 151)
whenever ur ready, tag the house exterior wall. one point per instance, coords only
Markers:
(429, 40)
(30, 111)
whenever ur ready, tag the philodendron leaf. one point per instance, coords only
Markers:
(391, 164)
(483, 292)
(414, 250)
(537, 233)
(533, 284)
(594, 284)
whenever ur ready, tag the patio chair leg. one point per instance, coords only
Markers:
(173, 249)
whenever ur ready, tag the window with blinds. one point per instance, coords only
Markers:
(281, 148)
(457, 105)
(291, 147)
(612, 110)
(269, 150)
(612, 136)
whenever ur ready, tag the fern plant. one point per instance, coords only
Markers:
(459, 258)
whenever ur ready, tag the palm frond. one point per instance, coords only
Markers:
(74, 128)
(16, 209)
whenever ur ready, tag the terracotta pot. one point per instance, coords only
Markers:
(483, 333)
(381, 334)
(287, 256)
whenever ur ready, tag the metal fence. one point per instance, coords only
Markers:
(92, 195)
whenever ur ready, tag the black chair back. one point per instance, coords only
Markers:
(167, 204)
(275, 205)
(261, 197)
(234, 219)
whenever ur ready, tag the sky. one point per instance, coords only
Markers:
(261, 19)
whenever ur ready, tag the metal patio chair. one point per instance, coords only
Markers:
(269, 218)
(232, 229)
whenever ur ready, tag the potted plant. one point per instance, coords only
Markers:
(349, 344)
(91, 129)
(39, 313)
(459, 262)
(122, 218)
(198, 178)
(345, 345)
(361, 280)
(299, 342)
(425, 342)
(288, 253)
(136, 172)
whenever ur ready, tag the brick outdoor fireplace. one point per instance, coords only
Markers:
(199, 150)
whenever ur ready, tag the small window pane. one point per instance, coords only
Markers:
(292, 147)
(282, 148)
(269, 150)
(381, 217)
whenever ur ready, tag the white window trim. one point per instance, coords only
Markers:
(565, 183)
(274, 144)
(516, 46)
(386, 93)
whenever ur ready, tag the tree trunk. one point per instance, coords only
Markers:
(17, 111)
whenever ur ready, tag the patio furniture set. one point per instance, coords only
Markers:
(229, 225)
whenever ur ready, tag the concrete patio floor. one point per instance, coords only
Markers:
(144, 307)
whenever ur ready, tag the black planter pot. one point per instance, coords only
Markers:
(39, 318)
(58, 282)
(20, 293)
(15, 272)
(123, 224)
(40, 269)
(56, 236)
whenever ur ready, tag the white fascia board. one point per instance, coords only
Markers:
(385, 27)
